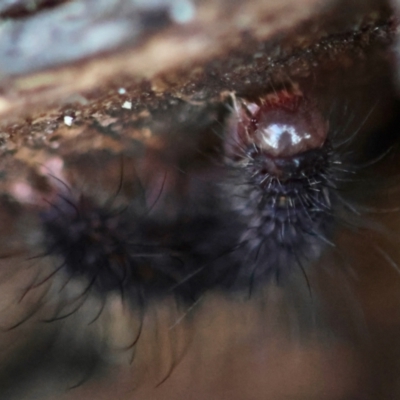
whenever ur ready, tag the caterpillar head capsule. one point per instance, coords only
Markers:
(276, 130)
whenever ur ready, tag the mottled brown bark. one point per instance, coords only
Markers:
(59, 63)
(57, 52)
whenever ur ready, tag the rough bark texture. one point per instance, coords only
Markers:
(85, 59)
(75, 45)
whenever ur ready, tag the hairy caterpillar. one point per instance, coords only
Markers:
(280, 142)
(274, 212)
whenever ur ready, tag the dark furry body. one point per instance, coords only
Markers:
(246, 229)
